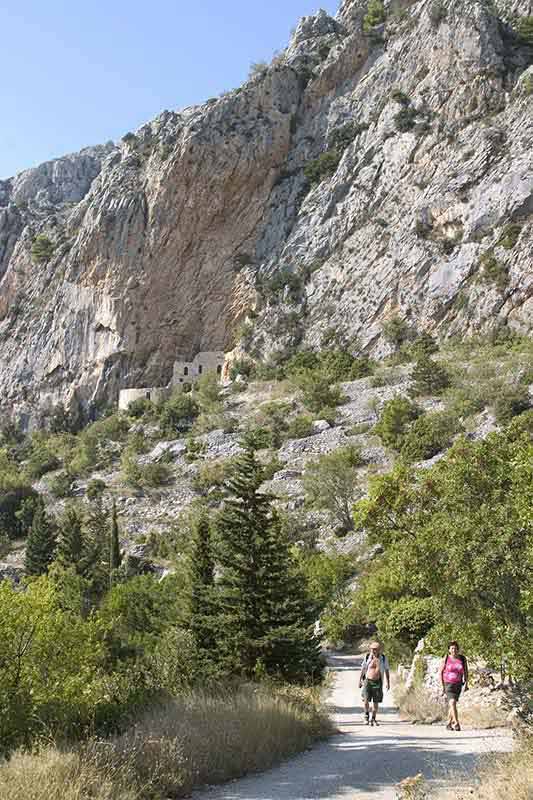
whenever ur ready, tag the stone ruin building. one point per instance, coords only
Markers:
(184, 373)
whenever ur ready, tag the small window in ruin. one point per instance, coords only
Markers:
(199, 369)
(219, 369)
(181, 380)
(185, 370)
(148, 395)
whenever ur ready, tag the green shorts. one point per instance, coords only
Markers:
(373, 691)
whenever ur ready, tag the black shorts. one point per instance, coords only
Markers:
(373, 691)
(453, 690)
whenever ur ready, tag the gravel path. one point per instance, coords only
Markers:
(363, 762)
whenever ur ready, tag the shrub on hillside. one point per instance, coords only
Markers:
(331, 483)
(493, 271)
(317, 390)
(396, 331)
(178, 414)
(375, 15)
(140, 408)
(423, 346)
(510, 235)
(322, 167)
(42, 249)
(428, 435)
(512, 400)
(300, 427)
(61, 485)
(429, 377)
(95, 488)
(395, 420)
(524, 28)
(42, 458)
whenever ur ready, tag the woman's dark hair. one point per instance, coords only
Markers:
(453, 644)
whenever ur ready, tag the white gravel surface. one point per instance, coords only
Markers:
(363, 762)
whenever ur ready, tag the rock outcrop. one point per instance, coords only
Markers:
(421, 205)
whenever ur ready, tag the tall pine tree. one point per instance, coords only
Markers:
(70, 547)
(115, 557)
(203, 608)
(267, 620)
(41, 543)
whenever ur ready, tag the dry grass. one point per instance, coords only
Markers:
(192, 741)
(509, 777)
(418, 705)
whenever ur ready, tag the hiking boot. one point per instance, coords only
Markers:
(457, 727)
(374, 721)
(449, 726)
(367, 719)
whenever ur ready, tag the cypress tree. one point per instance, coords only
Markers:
(203, 609)
(94, 564)
(41, 543)
(115, 557)
(266, 617)
(70, 546)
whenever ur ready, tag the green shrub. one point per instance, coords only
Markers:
(395, 420)
(341, 365)
(300, 427)
(429, 435)
(178, 414)
(317, 390)
(396, 331)
(493, 271)
(410, 619)
(375, 15)
(153, 475)
(304, 359)
(524, 28)
(400, 97)
(95, 488)
(423, 346)
(429, 377)
(42, 459)
(61, 485)
(405, 119)
(510, 235)
(513, 400)
(342, 137)
(42, 249)
(140, 407)
(437, 13)
(331, 482)
(322, 167)
(242, 366)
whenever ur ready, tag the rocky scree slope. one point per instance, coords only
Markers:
(161, 244)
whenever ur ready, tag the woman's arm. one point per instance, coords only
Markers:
(466, 674)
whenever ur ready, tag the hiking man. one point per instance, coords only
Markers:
(374, 670)
(453, 676)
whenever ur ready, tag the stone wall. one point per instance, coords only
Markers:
(191, 371)
(156, 395)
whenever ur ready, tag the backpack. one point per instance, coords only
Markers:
(367, 659)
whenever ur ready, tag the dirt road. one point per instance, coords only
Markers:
(363, 762)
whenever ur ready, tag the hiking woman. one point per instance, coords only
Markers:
(453, 676)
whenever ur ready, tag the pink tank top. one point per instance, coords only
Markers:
(454, 670)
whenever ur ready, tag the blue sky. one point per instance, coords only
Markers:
(80, 73)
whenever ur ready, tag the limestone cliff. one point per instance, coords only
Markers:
(421, 205)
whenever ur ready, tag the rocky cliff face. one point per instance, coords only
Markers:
(421, 205)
